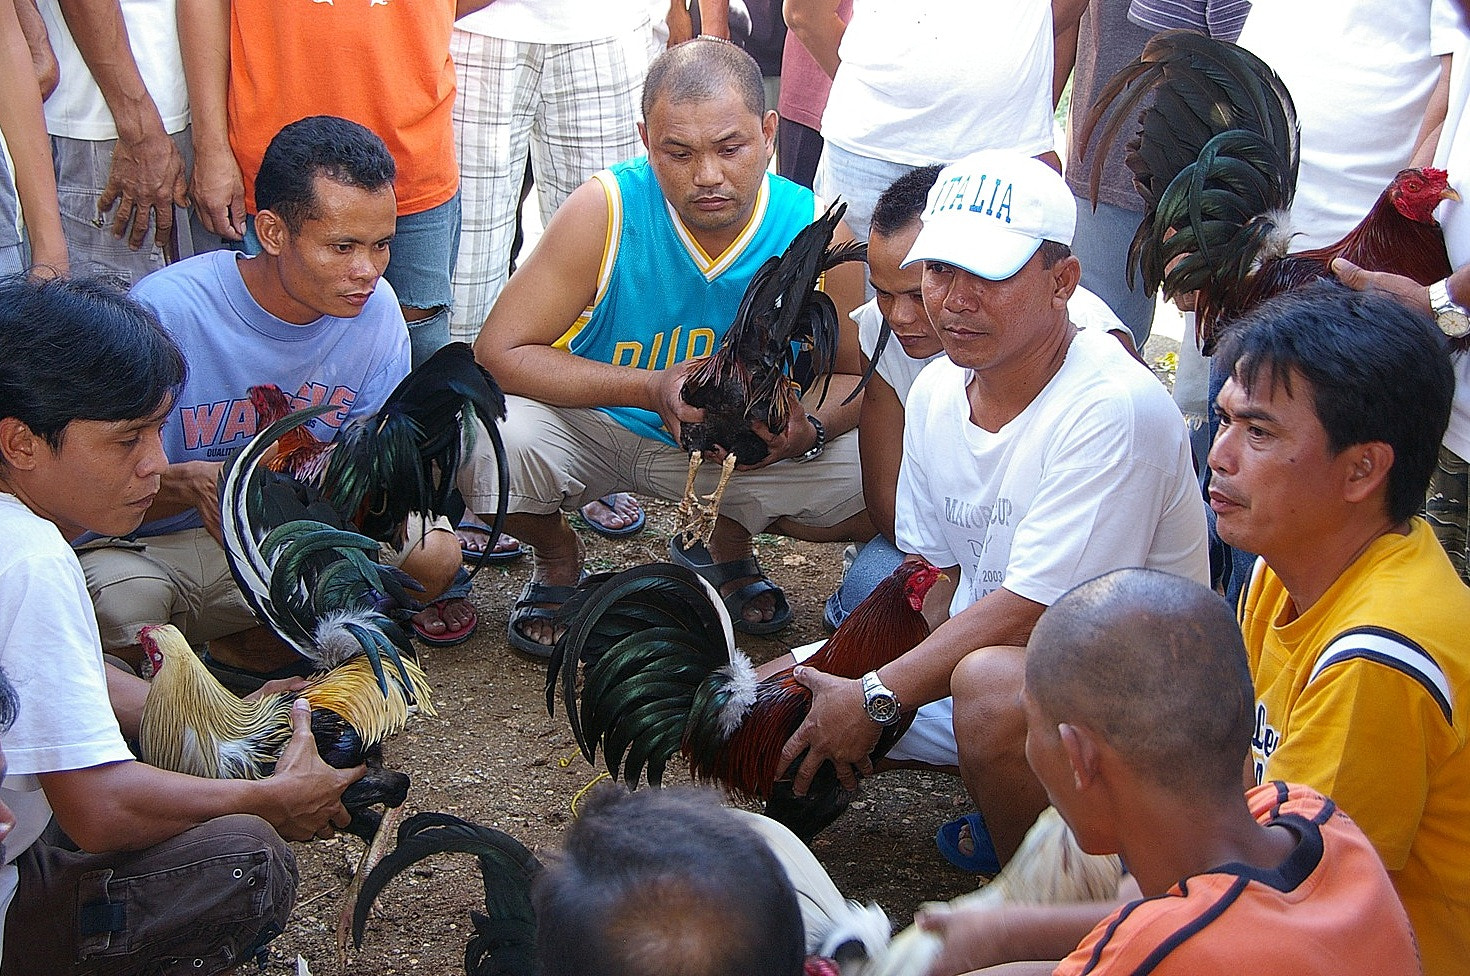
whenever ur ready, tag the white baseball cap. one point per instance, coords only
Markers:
(989, 212)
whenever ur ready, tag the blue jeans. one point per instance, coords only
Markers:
(875, 562)
(1101, 244)
(858, 180)
(425, 247)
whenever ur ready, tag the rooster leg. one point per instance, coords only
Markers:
(689, 504)
(712, 509)
(374, 853)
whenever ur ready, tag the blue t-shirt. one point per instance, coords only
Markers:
(660, 299)
(232, 344)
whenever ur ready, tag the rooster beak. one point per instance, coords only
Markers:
(1450, 194)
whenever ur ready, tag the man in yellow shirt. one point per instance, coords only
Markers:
(1354, 620)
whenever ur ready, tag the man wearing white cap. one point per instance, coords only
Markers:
(1035, 456)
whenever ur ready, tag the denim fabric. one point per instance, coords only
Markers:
(858, 180)
(874, 563)
(1101, 244)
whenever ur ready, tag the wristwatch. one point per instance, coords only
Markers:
(819, 446)
(1452, 317)
(880, 703)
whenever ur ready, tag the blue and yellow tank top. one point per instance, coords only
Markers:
(660, 299)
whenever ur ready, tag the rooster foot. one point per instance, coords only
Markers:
(700, 523)
(387, 830)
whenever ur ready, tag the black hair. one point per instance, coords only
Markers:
(904, 201)
(1052, 252)
(1378, 370)
(79, 349)
(704, 68)
(1155, 664)
(665, 883)
(320, 145)
(9, 703)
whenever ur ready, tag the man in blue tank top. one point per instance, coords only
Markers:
(640, 273)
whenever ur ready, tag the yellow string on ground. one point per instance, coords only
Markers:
(577, 797)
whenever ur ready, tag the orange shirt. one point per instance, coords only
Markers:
(383, 63)
(1327, 910)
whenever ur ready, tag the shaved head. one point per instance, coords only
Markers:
(1154, 664)
(702, 69)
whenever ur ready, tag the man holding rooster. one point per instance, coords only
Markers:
(113, 865)
(1035, 456)
(639, 274)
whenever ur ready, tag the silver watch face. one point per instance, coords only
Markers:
(882, 708)
(1454, 324)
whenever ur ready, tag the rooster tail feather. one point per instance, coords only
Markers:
(506, 867)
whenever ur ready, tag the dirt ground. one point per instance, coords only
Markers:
(494, 756)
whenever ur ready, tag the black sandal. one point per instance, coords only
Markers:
(698, 558)
(526, 610)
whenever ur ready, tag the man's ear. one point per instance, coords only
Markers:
(19, 444)
(1367, 470)
(768, 132)
(1067, 274)
(272, 231)
(1081, 750)
(643, 134)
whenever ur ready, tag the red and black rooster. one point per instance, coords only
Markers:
(403, 458)
(662, 675)
(748, 378)
(1215, 161)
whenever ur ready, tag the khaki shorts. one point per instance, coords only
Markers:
(561, 458)
(183, 578)
(197, 903)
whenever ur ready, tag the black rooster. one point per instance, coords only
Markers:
(748, 378)
(403, 458)
(504, 943)
(1215, 161)
(662, 675)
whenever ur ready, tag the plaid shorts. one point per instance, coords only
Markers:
(1445, 508)
(572, 108)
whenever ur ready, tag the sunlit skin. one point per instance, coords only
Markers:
(993, 325)
(900, 291)
(709, 157)
(102, 478)
(329, 266)
(1271, 467)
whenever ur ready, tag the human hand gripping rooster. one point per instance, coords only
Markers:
(1215, 161)
(744, 391)
(661, 675)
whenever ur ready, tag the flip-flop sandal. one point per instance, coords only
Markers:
(448, 638)
(473, 555)
(698, 558)
(525, 610)
(632, 528)
(982, 858)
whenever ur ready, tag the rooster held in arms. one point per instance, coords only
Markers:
(404, 458)
(1215, 161)
(748, 378)
(662, 675)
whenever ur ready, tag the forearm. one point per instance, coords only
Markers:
(714, 18)
(102, 37)
(1000, 618)
(130, 806)
(561, 379)
(836, 417)
(204, 40)
(24, 128)
(38, 44)
(816, 24)
(127, 693)
(462, 7)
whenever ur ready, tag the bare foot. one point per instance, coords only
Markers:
(758, 609)
(623, 511)
(473, 534)
(445, 617)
